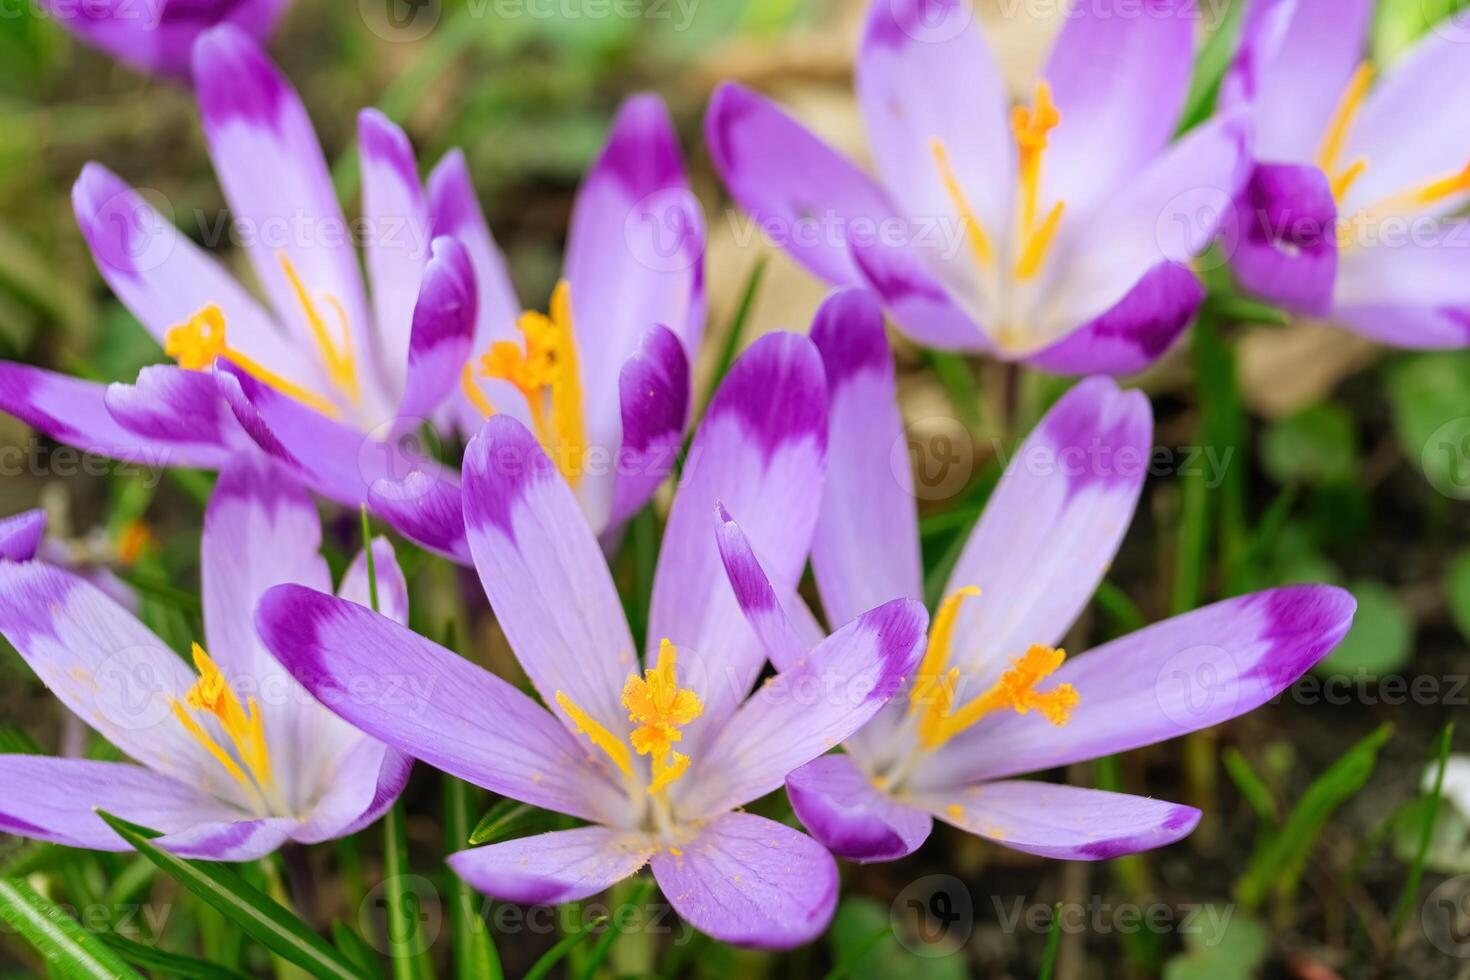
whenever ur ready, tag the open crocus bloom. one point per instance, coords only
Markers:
(1347, 214)
(156, 36)
(656, 756)
(232, 758)
(1055, 233)
(994, 698)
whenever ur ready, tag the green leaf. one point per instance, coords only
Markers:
(1053, 941)
(168, 964)
(1401, 23)
(475, 955)
(736, 330)
(1457, 586)
(1381, 639)
(1410, 892)
(503, 820)
(1280, 857)
(242, 903)
(1214, 58)
(605, 942)
(408, 946)
(1315, 445)
(557, 953)
(1229, 946)
(356, 950)
(850, 938)
(1251, 786)
(60, 939)
(1429, 395)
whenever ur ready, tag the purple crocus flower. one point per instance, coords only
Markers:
(1055, 233)
(231, 761)
(156, 36)
(1349, 211)
(658, 761)
(993, 698)
(337, 385)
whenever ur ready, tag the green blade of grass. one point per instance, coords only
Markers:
(1416, 873)
(475, 955)
(1214, 58)
(1251, 786)
(355, 948)
(498, 822)
(242, 903)
(62, 942)
(557, 953)
(1280, 857)
(408, 950)
(160, 961)
(600, 951)
(1053, 943)
(736, 329)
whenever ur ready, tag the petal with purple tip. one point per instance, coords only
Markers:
(750, 881)
(443, 329)
(1409, 293)
(158, 37)
(654, 392)
(763, 610)
(562, 866)
(1066, 823)
(392, 586)
(1282, 237)
(20, 535)
(839, 805)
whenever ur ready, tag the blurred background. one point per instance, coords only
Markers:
(1288, 451)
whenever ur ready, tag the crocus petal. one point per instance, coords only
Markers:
(1294, 61)
(1052, 525)
(1404, 148)
(1282, 237)
(635, 257)
(443, 329)
(544, 573)
(163, 278)
(108, 669)
(1119, 74)
(20, 535)
(654, 392)
(805, 710)
(1169, 213)
(763, 610)
(839, 805)
(431, 704)
(170, 405)
(357, 785)
(395, 213)
(562, 866)
(925, 73)
(1184, 674)
(922, 307)
(1410, 293)
(392, 586)
(456, 212)
(761, 451)
(1067, 823)
(750, 881)
(158, 37)
(56, 799)
(274, 176)
(1134, 333)
(866, 548)
(802, 193)
(395, 477)
(75, 412)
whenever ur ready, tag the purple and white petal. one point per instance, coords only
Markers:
(801, 192)
(108, 669)
(1411, 293)
(1134, 333)
(392, 586)
(839, 805)
(20, 535)
(158, 37)
(545, 575)
(866, 547)
(562, 866)
(395, 213)
(1052, 526)
(443, 330)
(750, 881)
(1119, 73)
(654, 392)
(763, 610)
(280, 192)
(432, 704)
(1281, 237)
(804, 711)
(1066, 823)
(1178, 676)
(170, 405)
(235, 840)
(761, 451)
(356, 784)
(906, 275)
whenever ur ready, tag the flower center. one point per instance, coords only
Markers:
(1031, 126)
(932, 699)
(247, 759)
(544, 369)
(661, 708)
(1342, 177)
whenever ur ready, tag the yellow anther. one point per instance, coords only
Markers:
(473, 393)
(197, 343)
(1039, 244)
(338, 359)
(1032, 127)
(599, 735)
(1343, 182)
(1341, 122)
(666, 771)
(659, 705)
(936, 654)
(545, 370)
(974, 230)
(250, 764)
(1015, 691)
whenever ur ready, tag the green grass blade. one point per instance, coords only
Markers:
(243, 904)
(161, 962)
(356, 949)
(1251, 786)
(1416, 873)
(557, 953)
(499, 821)
(1280, 857)
(736, 330)
(605, 942)
(475, 955)
(408, 947)
(1053, 943)
(60, 939)
(370, 558)
(1214, 58)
